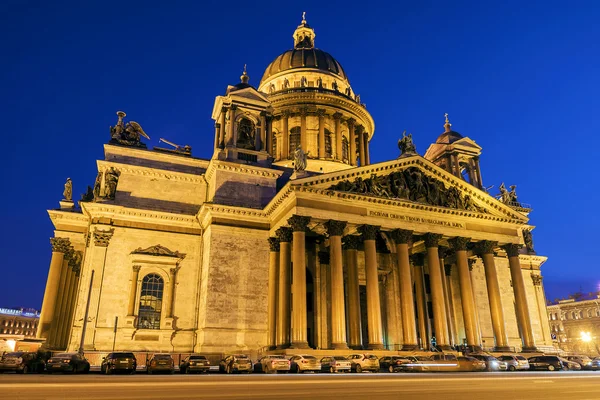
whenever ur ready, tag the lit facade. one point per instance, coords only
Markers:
(251, 249)
(575, 325)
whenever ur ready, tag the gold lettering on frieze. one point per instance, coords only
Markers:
(417, 220)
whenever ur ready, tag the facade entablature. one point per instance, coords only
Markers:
(69, 221)
(171, 162)
(150, 172)
(234, 216)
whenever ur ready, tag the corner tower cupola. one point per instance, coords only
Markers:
(456, 154)
(304, 35)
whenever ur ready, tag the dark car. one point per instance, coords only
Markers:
(585, 362)
(115, 362)
(570, 365)
(68, 362)
(160, 363)
(546, 363)
(235, 363)
(392, 363)
(22, 362)
(194, 363)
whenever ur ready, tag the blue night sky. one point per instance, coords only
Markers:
(521, 78)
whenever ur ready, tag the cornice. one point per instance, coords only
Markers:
(151, 172)
(152, 155)
(241, 169)
(77, 218)
(100, 210)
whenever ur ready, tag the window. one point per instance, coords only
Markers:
(344, 149)
(294, 140)
(328, 151)
(150, 302)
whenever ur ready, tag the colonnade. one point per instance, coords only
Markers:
(287, 322)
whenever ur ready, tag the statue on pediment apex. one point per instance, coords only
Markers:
(127, 134)
(68, 192)
(406, 144)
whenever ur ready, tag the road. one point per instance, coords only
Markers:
(366, 386)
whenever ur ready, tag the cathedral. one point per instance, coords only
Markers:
(289, 238)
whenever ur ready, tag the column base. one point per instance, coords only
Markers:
(445, 347)
(376, 346)
(299, 345)
(356, 346)
(339, 346)
(409, 347)
(529, 349)
(282, 346)
(502, 348)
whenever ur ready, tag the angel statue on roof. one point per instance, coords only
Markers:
(127, 134)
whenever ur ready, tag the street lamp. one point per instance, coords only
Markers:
(586, 337)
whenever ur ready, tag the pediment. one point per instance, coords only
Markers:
(412, 181)
(158, 250)
(249, 94)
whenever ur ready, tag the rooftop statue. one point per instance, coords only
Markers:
(111, 178)
(406, 144)
(127, 134)
(503, 196)
(68, 192)
(299, 159)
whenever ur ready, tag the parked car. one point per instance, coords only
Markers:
(364, 362)
(547, 363)
(121, 361)
(304, 363)
(585, 362)
(161, 362)
(514, 362)
(194, 363)
(443, 357)
(335, 364)
(235, 363)
(416, 364)
(570, 365)
(272, 364)
(68, 362)
(22, 362)
(491, 362)
(470, 364)
(392, 363)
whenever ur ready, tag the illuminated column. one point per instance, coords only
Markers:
(217, 133)
(335, 230)
(222, 128)
(321, 114)
(269, 136)
(303, 113)
(273, 287)
(283, 299)
(351, 244)
(440, 320)
(451, 313)
(447, 297)
(459, 245)
(409, 327)
(133, 290)
(71, 300)
(299, 333)
(367, 155)
(352, 141)
(59, 247)
(263, 132)
(285, 136)
(418, 260)
(232, 131)
(53, 339)
(338, 136)
(512, 251)
(369, 235)
(361, 145)
(485, 249)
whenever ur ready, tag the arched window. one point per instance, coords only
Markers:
(150, 302)
(573, 315)
(328, 151)
(294, 140)
(345, 149)
(589, 313)
(581, 314)
(246, 134)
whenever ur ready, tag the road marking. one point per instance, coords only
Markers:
(541, 381)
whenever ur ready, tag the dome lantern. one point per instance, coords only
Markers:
(304, 35)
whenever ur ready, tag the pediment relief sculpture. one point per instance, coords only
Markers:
(158, 250)
(410, 184)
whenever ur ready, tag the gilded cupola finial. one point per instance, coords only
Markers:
(447, 125)
(244, 78)
(304, 17)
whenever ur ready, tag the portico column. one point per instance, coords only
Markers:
(361, 145)
(321, 114)
(459, 245)
(409, 327)
(351, 244)
(222, 128)
(335, 230)
(70, 305)
(59, 308)
(485, 249)
(352, 141)
(217, 134)
(135, 274)
(447, 298)
(273, 287)
(512, 251)
(285, 136)
(375, 329)
(418, 260)
(283, 301)
(263, 132)
(299, 335)
(232, 132)
(303, 113)
(440, 320)
(338, 136)
(59, 247)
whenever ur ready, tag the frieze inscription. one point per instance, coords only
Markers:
(417, 220)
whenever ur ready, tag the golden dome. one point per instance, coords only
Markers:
(304, 58)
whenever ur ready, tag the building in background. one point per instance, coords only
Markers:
(290, 237)
(575, 324)
(17, 325)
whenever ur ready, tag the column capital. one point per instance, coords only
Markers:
(360, 129)
(60, 245)
(512, 249)
(536, 279)
(75, 260)
(417, 259)
(173, 271)
(102, 238)
(402, 236)
(233, 107)
(298, 223)
(351, 242)
(485, 247)
(321, 112)
(350, 122)
(459, 243)
(335, 228)
(432, 239)
(303, 111)
(443, 251)
(137, 268)
(323, 257)
(337, 116)
(368, 232)
(284, 234)
(223, 109)
(274, 244)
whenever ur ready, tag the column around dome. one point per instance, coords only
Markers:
(352, 141)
